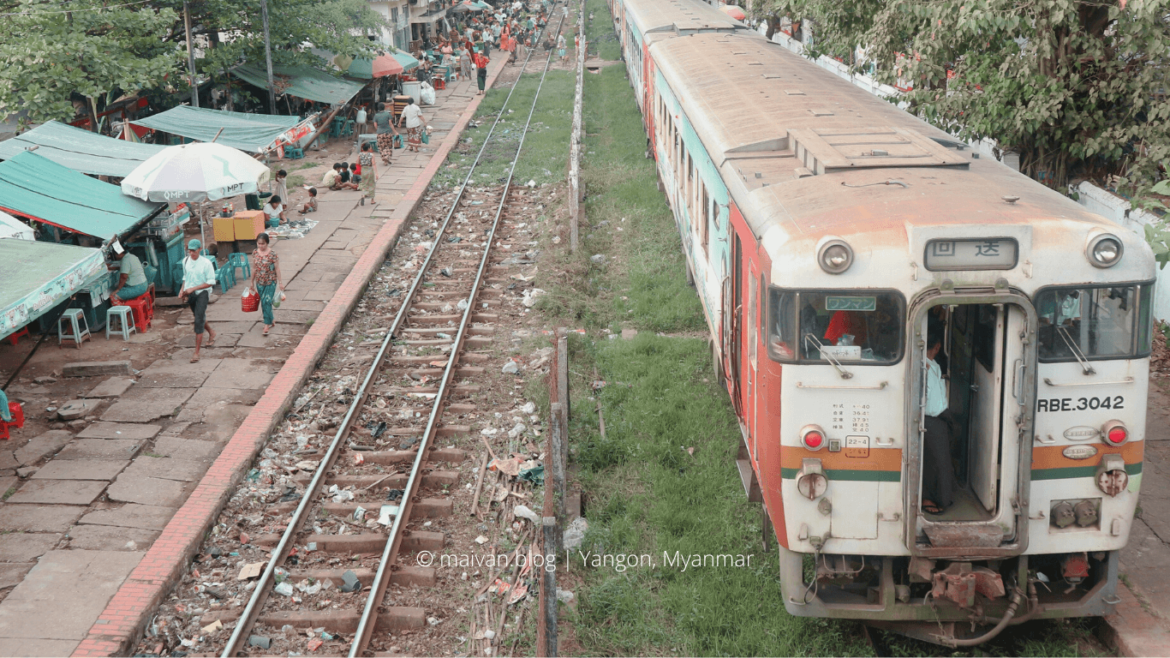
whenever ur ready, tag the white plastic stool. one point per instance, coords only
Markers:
(124, 314)
(80, 327)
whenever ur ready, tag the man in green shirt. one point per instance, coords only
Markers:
(132, 282)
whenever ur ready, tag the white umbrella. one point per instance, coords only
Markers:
(195, 172)
(11, 227)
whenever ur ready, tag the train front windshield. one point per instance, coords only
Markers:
(863, 327)
(1094, 322)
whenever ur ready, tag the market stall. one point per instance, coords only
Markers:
(80, 150)
(252, 133)
(28, 292)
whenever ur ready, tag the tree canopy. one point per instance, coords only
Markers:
(1078, 88)
(95, 51)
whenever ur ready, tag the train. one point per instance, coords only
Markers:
(898, 320)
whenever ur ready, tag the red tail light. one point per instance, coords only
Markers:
(813, 437)
(1115, 433)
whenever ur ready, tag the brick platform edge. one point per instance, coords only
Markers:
(127, 613)
(1133, 631)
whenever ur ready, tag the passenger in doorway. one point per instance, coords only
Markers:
(938, 475)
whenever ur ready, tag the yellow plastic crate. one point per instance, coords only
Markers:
(224, 228)
(249, 224)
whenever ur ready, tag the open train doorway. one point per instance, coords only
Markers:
(973, 406)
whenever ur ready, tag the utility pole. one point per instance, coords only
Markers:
(268, 58)
(190, 54)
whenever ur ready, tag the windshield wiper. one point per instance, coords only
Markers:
(845, 374)
(1072, 346)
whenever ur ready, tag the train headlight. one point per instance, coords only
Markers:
(1104, 250)
(1115, 433)
(811, 481)
(835, 255)
(812, 437)
(1111, 475)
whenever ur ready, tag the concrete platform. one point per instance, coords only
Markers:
(110, 538)
(74, 585)
(147, 517)
(147, 491)
(26, 546)
(80, 449)
(39, 518)
(136, 431)
(58, 492)
(89, 469)
(142, 405)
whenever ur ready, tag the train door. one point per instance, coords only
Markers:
(733, 324)
(975, 375)
(751, 324)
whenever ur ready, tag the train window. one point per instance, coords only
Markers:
(750, 321)
(860, 327)
(703, 204)
(1094, 322)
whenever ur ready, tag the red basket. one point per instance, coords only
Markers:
(250, 302)
(17, 420)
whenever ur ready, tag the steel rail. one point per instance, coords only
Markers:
(263, 585)
(365, 629)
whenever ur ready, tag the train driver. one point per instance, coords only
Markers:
(938, 475)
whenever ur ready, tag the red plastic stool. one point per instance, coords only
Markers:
(12, 338)
(440, 83)
(17, 420)
(142, 308)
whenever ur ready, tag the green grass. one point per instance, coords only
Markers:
(603, 42)
(545, 148)
(8, 494)
(647, 495)
(643, 285)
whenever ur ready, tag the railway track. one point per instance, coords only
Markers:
(416, 390)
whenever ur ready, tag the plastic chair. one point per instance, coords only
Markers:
(226, 276)
(347, 129)
(142, 307)
(79, 328)
(125, 316)
(17, 421)
(293, 153)
(12, 338)
(236, 259)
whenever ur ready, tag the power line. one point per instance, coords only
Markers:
(75, 11)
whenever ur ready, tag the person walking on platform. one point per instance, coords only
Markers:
(384, 120)
(198, 280)
(481, 64)
(413, 120)
(266, 278)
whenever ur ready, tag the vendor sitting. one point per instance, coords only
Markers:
(133, 281)
(275, 213)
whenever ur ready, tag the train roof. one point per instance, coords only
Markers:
(806, 154)
(680, 16)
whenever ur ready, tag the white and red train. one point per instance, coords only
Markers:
(828, 234)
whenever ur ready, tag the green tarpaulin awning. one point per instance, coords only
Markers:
(408, 62)
(37, 187)
(80, 150)
(251, 133)
(39, 275)
(302, 82)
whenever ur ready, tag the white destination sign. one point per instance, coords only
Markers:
(974, 254)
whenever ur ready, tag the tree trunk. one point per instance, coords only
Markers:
(91, 110)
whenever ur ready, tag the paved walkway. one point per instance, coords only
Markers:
(101, 522)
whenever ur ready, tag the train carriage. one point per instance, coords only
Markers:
(641, 24)
(829, 235)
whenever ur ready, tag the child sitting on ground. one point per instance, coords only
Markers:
(311, 204)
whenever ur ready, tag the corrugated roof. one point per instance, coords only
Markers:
(247, 132)
(80, 150)
(36, 186)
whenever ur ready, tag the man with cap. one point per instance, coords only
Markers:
(198, 280)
